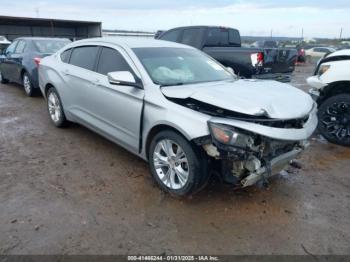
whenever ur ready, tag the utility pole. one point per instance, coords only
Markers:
(302, 34)
(271, 33)
(341, 33)
(37, 12)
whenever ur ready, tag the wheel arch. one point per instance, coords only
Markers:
(24, 70)
(47, 87)
(335, 88)
(159, 128)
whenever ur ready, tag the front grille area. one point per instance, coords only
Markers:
(293, 123)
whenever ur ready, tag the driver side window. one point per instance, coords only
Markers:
(111, 61)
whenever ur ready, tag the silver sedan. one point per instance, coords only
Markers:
(179, 109)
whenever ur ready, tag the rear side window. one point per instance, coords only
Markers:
(84, 57)
(66, 55)
(325, 50)
(111, 61)
(172, 35)
(234, 37)
(191, 36)
(223, 37)
(11, 48)
(49, 46)
(20, 47)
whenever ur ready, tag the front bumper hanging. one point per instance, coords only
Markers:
(277, 164)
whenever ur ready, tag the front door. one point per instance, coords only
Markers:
(16, 61)
(7, 61)
(118, 107)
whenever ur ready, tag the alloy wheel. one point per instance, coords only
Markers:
(27, 85)
(336, 120)
(171, 164)
(54, 107)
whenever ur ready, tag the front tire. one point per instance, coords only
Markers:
(334, 119)
(177, 166)
(27, 84)
(55, 108)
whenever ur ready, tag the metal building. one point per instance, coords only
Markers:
(13, 27)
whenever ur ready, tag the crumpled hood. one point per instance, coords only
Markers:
(251, 97)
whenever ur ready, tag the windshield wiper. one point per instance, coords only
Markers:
(173, 84)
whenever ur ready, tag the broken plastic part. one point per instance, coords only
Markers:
(211, 150)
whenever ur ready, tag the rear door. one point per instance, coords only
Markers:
(117, 107)
(79, 76)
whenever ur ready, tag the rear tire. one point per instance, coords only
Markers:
(27, 84)
(2, 79)
(334, 119)
(178, 167)
(55, 108)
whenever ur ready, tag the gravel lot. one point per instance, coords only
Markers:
(71, 191)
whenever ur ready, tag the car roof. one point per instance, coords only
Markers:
(345, 52)
(201, 26)
(132, 42)
(41, 38)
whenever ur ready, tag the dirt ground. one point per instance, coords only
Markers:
(71, 191)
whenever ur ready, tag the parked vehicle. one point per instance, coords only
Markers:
(179, 109)
(265, 44)
(301, 52)
(22, 57)
(158, 33)
(4, 43)
(331, 89)
(316, 53)
(224, 45)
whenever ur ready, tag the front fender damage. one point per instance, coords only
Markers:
(275, 144)
(244, 167)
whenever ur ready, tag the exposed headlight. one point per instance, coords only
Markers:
(230, 136)
(323, 69)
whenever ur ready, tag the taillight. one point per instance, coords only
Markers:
(37, 61)
(260, 58)
(257, 59)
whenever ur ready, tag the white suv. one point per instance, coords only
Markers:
(331, 90)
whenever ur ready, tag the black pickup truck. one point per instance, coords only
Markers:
(224, 45)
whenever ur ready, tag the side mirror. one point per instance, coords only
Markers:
(123, 78)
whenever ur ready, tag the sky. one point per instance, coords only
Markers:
(317, 18)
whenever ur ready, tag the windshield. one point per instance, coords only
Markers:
(50, 46)
(174, 66)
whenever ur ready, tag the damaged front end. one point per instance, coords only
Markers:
(246, 149)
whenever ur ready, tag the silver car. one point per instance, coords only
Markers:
(179, 109)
